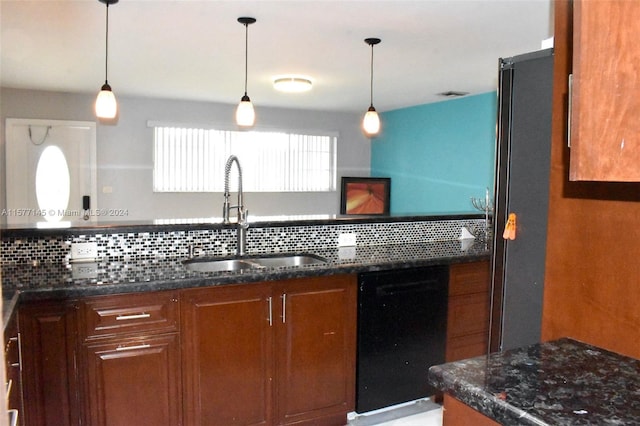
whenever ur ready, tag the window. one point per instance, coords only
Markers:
(193, 160)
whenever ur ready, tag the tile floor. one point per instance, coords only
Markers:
(423, 412)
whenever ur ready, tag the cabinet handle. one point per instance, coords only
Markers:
(270, 302)
(132, 317)
(20, 352)
(8, 388)
(131, 348)
(284, 308)
(7, 347)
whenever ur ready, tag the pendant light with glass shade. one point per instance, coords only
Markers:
(371, 121)
(106, 105)
(245, 114)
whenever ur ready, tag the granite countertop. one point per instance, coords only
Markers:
(563, 382)
(69, 281)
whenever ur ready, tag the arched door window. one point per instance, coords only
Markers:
(52, 184)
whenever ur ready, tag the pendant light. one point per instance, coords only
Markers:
(245, 115)
(106, 105)
(371, 121)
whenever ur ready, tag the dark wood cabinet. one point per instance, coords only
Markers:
(227, 355)
(51, 396)
(315, 355)
(133, 381)
(270, 353)
(467, 330)
(468, 311)
(457, 413)
(605, 131)
(130, 359)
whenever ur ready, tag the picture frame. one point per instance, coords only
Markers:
(365, 196)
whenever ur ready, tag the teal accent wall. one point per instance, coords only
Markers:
(437, 155)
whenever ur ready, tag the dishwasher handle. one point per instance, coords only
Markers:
(409, 287)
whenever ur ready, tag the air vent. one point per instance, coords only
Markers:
(453, 94)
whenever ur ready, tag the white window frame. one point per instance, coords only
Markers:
(183, 160)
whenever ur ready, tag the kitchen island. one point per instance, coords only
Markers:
(145, 257)
(562, 382)
(284, 334)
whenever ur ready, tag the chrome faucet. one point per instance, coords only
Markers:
(242, 223)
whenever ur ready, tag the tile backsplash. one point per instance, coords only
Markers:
(215, 241)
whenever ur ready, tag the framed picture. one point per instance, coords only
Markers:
(365, 195)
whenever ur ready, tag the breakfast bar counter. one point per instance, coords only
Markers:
(562, 382)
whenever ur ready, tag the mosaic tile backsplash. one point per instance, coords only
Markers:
(222, 242)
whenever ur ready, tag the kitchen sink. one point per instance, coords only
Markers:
(218, 265)
(208, 264)
(288, 260)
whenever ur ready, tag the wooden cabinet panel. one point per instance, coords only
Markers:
(605, 130)
(106, 316)
(130, 361)
(134, 381)
(49, 359)
(468, 314)
(316, 338)
(468, 346)
(227, 344)
(468, 310)
(591, 276)
(270, 353)
(469, 278)
(251, 354)
(456, 413)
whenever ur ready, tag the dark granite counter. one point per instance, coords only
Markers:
(564, 382)
(69, 281)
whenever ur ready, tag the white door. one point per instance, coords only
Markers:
(51, 171)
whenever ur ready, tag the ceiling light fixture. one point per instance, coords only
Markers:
(371, 121)
(106, 105)
(292, 84)
(245, 114)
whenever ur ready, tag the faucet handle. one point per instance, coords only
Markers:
(243, 215)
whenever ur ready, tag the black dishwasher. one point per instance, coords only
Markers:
(402, 320)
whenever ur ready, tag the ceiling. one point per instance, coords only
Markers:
(194, 49)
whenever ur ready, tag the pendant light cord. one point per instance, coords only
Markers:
(106, 48)
(371, 91)
(246, 56)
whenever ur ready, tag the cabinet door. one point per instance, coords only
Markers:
(134, 381)
(605, 130)
(315, 340)
(49, 374)
(227, 355)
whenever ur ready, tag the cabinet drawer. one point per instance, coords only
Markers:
(469, 278)
(129, 313)
(468, 315)
(465, 347)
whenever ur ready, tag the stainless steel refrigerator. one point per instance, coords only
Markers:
(521, 187)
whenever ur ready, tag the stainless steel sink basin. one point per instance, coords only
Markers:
(252, 262)
(288, 260)
(219, 265)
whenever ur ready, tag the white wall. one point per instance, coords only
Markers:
(125, 160)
